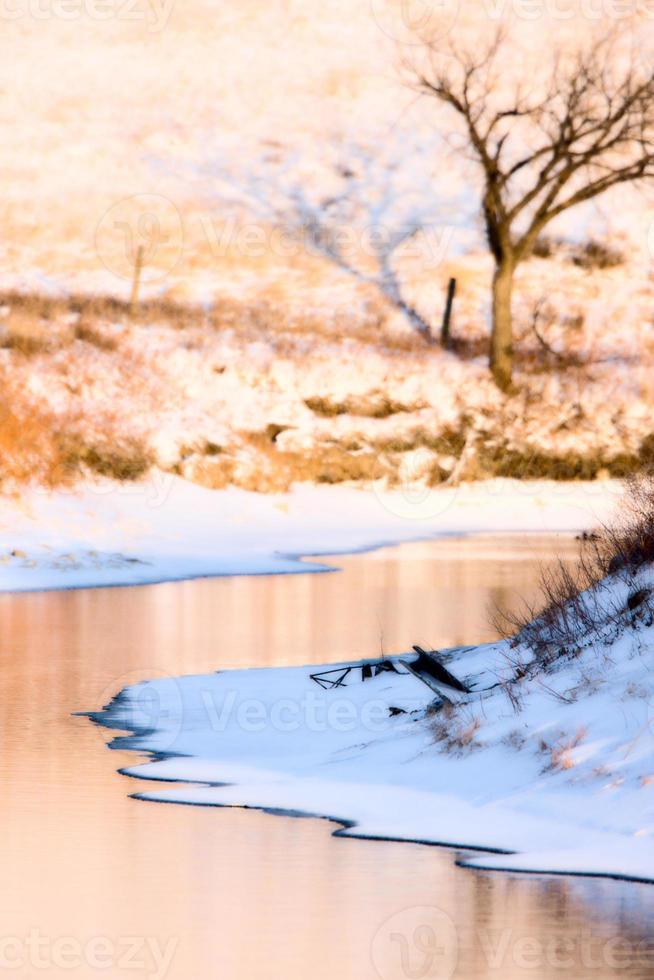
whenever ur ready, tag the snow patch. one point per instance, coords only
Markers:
(168, 529)
(272, 739)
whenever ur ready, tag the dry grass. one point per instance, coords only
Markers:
(90, 334)
(40, 447)
(284, 324)
(532, 463)
(455, 731)
(376, 405)
(71, 346)
(264, 468)
(28, 444)
(449, 441)
(30, 335)
(560, 753)
(326, 464)
(115, 457)
(576, 607)
(38, 307)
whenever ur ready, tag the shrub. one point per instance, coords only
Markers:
(578, 606)
(121, 459)
(591, 254)
(29, 448)
(89, 334)
(449, 441)
(374, 406)
(629, 543)
(544, 248)
(455, 731)
(528, 462)
(597, 255)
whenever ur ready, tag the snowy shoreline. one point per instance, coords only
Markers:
(270, 739)
(167, 529)
(509, 786)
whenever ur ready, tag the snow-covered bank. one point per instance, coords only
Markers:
(166, 528)
(565, 783)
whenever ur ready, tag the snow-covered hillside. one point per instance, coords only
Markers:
(293, 200)
(193, 103)
(261, 395)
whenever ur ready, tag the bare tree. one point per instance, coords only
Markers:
(542, 146)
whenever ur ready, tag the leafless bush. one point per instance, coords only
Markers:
(629, 544)
(515, 739)
(591, 254)
(597, 255)
(577, 605)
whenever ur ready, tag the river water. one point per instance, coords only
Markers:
(96, 884)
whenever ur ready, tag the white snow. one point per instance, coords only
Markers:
(563, 785)
(166, 528)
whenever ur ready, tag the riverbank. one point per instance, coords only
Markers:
(165, 528)
(546, 760)
(551, 772)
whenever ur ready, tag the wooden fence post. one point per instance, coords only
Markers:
(447, 315)
(136, 281)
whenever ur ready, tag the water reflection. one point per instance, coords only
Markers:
(237, 895)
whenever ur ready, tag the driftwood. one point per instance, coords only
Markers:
(336, 677)
(426, 666)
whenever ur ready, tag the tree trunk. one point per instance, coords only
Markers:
(501, 359)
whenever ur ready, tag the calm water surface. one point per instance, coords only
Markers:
(91, 878)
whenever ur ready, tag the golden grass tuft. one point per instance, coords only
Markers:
(39, 447)
(29, 449)
(28, 335)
